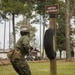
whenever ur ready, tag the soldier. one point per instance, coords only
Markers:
(21, 49)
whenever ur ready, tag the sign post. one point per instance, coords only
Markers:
(52, 10)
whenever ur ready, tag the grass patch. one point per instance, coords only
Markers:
(42, 68)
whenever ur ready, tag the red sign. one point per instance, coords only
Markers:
(51, 9)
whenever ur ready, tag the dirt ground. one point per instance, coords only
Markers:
(4, 62)
(7, 62)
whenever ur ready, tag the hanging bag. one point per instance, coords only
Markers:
(14, 54)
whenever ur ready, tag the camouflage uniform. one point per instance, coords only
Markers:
(20, 65)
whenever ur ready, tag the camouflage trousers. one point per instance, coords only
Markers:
(21, 67)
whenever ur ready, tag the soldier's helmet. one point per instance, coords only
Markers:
(24, 30)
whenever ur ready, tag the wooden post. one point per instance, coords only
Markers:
(53, 66)
(52, 10)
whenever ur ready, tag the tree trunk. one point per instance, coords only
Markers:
(9, 31)
(60, 54)
(68, 54)
(14, 36)
(4, 36)
(43, 37)
(40, 35)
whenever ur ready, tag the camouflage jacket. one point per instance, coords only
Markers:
(23, 41)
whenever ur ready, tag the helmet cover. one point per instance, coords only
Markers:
(24, 29)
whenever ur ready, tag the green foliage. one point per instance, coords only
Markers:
(60, 27)
(60, 21)
(61, 37)
(16, 7)
(26, 8)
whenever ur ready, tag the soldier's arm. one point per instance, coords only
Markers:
(25, 44)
